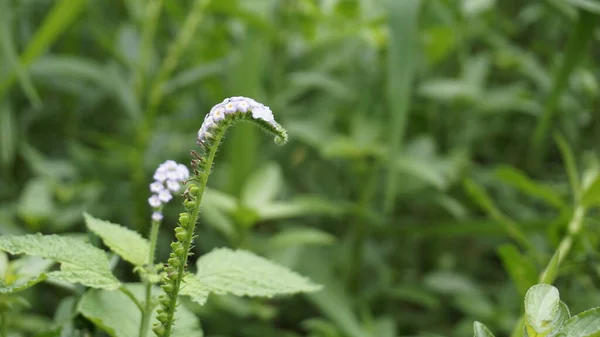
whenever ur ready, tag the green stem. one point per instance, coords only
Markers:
(132, 297)
(564, 247)
(147, 312)
(201, 183)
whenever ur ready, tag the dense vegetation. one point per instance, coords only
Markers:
(442, 155)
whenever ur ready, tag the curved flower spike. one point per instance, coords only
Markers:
(234, 109)
(221, 116)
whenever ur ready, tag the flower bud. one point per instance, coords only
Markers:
(184, 219)
(175, 262)
(180, 233)
(167, 287)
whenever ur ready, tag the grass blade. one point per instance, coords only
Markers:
(402, 59)
(578, 41)
(60, 17)
(570, 164)
(12, 58)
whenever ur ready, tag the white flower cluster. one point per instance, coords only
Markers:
(230, 106)
(167, 179)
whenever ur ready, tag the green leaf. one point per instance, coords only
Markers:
(262, 187)
(521, 269)
(193, 288)
(300, 206)
(588, 5)
(422, 169)
(58, 19)
(481, 330)
(570, 164)
(584, 324)
(591, 195)
(241, 273)
(130, 245)
(574, 50)
(519, 180)
(21, 284)
(115, 313)
(403, 56)
(302, 236)
(36, 202)
(544, 312)
(551, 271)
(480, 196)
(8, 134)
(81, 262)
(8, 46)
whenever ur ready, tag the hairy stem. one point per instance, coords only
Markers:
(148, 305)
(173, 282)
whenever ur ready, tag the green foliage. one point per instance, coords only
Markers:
(118, 316)
(225, 271)
(21, 284)
(125, 242)
(80, 262)
(585, 324)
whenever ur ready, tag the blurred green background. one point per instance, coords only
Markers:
(421, 133)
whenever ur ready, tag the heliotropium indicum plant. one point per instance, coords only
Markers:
(128, 309)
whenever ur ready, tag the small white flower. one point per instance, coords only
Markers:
(219, 114)
(230, 107)
(160, 175)
(172, 174)
(156, 186)
(254, 104)
(173, 185)
(208, 122)
(237, 98)
(243, 106)
(154, 201)
(184, 173)
(263, 113)
(165, 196)
(169, 165)
(157, 216)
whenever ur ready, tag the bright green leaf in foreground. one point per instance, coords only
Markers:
(584, 324)
(130, 245)
(241, 273)
(544, 312)
(82, 262)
